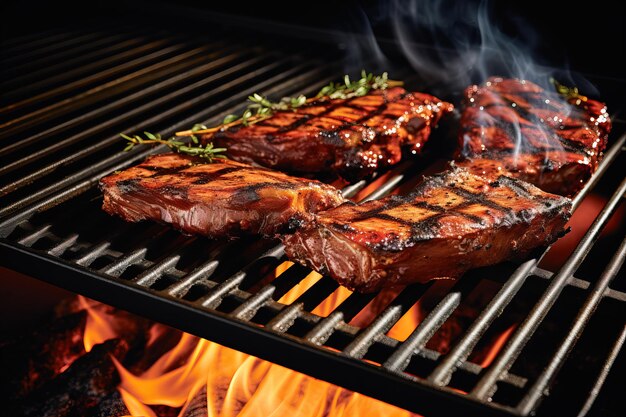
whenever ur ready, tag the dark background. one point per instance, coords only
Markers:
(586, 36)
(582, 43)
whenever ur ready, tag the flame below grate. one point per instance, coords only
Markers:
(231, 383)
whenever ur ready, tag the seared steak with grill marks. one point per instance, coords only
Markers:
(223, 198)
(450, 223)
(352, 137)
(514, 127)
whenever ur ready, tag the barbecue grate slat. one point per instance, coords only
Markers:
(591, 303)
(61, 137)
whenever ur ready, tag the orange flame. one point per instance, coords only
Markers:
(407, 323)
(497, 346)
(97, 328)
(238, 384)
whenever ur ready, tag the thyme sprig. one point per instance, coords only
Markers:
(358, 88)
(262, 108)
(569, 93)
(207, 152)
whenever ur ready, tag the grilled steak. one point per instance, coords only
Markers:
(224, 198)
(352, 137)
(516, 128)
(450, 223)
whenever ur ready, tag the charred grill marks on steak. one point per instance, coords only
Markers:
(456, 200)
(448, 224)
(516, 128)
(224, 198)
(352, 137)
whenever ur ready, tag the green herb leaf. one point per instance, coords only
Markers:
(199, 126)
(567, 92)
(208, 152)
(230, 118)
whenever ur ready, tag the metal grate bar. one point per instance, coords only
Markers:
(416, 341)
(385, 321)
(50, 50)
(422, 334)
(249, 308)
(69, 60)
(117, 267)
(608, 364)
(202, 272)
(286, 281)
(63, 245)
(516, 343)
(325, 328)
(352, 189)
(390, 184)
(580, 283)
(150, 276)
(319, 292)
(138, 255)
(535, 393)
(21, 44)
(31, 238)
(342, 314)
(442, 373)
(115, 105)
(160, 50)
(285, 319)
(214, 298)
(96, 250)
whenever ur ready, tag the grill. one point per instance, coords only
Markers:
(60, 125)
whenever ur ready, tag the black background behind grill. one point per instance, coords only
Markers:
(589, 37)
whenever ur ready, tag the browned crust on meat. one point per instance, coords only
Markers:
(352, 137)
(223, 198)
(451, 222)
(514, 127)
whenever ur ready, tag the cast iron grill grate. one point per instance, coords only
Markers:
(66, 96)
